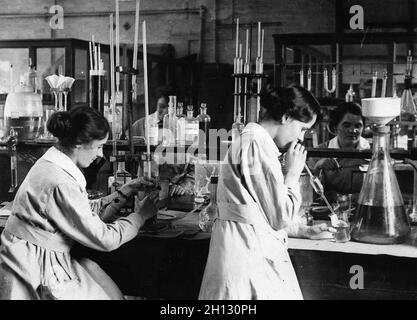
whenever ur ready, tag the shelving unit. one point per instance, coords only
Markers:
(72, 55)
(333, 51)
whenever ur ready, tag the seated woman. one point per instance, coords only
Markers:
(51, 212)
(343, 176)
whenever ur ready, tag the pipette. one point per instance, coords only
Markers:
(318, 188)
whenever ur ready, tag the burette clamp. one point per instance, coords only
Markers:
(124, 158)
(127, 70)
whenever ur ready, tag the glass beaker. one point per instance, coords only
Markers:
(342, 233)
(342, 226)
(208, 215)
(380, 217)
(204, 170)
(44, 133)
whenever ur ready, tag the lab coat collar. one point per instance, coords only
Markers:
(154, 116)
(263, 134)
(64, 162)
(362, 145)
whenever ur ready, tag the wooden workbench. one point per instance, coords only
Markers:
(172, 268)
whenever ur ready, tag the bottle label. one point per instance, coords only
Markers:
(181, 130)
(191, 132)
(153, 135)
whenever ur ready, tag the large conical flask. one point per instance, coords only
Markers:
(380, 216)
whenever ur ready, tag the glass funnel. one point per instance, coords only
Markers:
(380, 216)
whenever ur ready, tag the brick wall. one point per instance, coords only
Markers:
(165, 25)
(181, 30)
(168, 23)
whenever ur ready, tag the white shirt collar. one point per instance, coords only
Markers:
(64, 162)
(265, 136)
(362, 145)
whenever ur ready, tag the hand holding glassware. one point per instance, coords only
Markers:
(318, 188)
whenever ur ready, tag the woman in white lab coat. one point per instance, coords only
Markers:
(51, 211)
(248, 256)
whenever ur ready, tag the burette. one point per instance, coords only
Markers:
(112, 99)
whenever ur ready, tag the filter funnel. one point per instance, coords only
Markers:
(380, 111)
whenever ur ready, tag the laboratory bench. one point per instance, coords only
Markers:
(169, 263)
(171, 266)
(167, 260)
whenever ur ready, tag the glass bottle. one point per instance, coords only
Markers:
(32, 77)
(191, 127)
(237, 128)
(380, 217)
(408, 107)
(169, 125)
(173, 100)
(210, 213)
(204, 121)
(153, 131)
(180, 110)
(180, 125)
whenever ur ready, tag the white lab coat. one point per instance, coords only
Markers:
(50, 212)
(248, 257)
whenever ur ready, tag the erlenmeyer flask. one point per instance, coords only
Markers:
(380, 216)
(408, 107)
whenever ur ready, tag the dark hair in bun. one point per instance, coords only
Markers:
(59, 124)
(79, 125)
(295, 102)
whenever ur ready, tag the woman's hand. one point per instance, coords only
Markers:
(326, 164)
(296, 158)
(147, 207)
(139, 184)
(177, 190)
(319, 231)
(95, 205)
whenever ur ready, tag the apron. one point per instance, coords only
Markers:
(248, 259)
